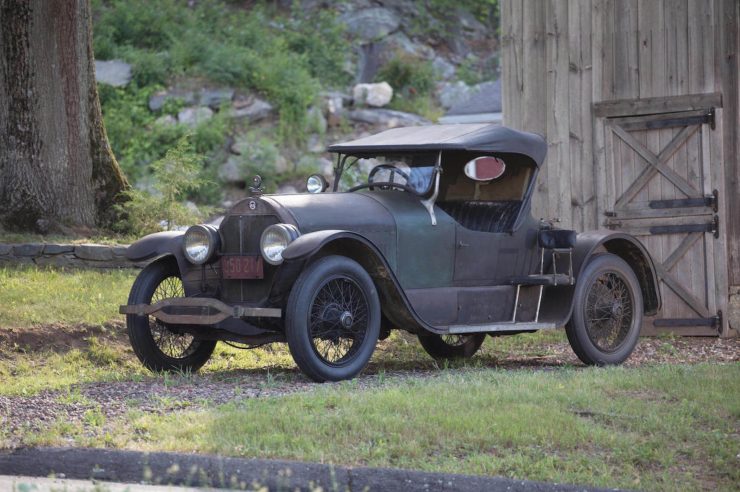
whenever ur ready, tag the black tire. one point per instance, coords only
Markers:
(607, 313)
(159, 346)
(447, 347)
(332, 320)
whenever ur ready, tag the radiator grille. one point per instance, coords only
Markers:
(240, 235)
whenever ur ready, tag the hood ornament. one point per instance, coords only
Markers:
(256, 189)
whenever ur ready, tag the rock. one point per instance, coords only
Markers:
(482, 98)
(93, 252)
(166, 120)
(119, 250)
(194, 116)
(326, 167)
(444, 69)
(158, 100)
(377, 95)
(256, 110)
(287, 190)
(6, 249)
(369, 58)
(113, 72)
(282, 165)
(452, 93)
(316, 120)
(56, 249)
(33, 249)
(55, 261)
(231, 171)
(399, 42)
(733, 312)
(214, 98)
(372, 23)
(386, 117)
(316, 144)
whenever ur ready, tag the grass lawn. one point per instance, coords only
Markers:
(521, 408)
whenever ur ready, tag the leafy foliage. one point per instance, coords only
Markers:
(413, 81)
(245, 48)
(176, 174)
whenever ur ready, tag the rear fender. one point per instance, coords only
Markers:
(558, 302)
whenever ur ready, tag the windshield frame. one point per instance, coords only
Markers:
(342, 165)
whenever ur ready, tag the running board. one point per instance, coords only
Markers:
(506, 326)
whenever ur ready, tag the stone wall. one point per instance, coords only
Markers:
(66, 255)
(733, 315)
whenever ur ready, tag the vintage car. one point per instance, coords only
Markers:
(425, 229)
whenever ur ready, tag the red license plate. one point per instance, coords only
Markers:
(242, 267)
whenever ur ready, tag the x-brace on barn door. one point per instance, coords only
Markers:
(661, 188)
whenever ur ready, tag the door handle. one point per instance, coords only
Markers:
(461, 244)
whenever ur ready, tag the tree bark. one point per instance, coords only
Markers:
(56, 164)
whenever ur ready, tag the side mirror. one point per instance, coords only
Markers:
(485, 168)
(316, 183)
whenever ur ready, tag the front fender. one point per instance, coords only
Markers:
(307, 245)
(156, 245)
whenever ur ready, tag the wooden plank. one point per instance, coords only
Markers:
(653, 105)
(575, 112)
(587, 184)
(728, 69)
(557, 116)
(597, 75)
(656, 164)
(534, 91)
(642, 212)
(624, 41)
(682, 249)
(689, 298)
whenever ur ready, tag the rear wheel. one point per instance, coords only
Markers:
(161, 346)
(332, 320)
(452, 346)
(607, 314)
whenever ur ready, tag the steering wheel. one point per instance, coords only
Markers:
(393, 169)
(385, 185)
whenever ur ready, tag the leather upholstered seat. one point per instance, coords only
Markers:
(483, 216)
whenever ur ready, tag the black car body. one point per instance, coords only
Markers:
(437, 240)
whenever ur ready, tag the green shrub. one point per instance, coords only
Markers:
(176, 174)
(413, 81)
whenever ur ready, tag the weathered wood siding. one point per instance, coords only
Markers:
(562, 58)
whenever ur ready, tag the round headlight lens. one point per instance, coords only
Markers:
(275, 239)
(316, 183)
(199, 244)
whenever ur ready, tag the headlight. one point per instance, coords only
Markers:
(316, 184)
(200, 243)
(275, 239)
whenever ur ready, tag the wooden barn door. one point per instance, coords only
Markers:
(661, 189)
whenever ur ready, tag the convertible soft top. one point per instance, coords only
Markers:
(470, 137)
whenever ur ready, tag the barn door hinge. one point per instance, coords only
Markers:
(710, 118)
(710, 201)
(712, 227)
(712, 322)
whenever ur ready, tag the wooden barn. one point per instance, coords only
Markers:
(638, 100)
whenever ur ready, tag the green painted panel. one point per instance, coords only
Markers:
(425, 255)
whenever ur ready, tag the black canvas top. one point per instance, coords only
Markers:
(486, 138)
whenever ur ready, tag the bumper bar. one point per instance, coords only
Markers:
(197, 311)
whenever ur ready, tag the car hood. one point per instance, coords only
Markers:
(358, 212)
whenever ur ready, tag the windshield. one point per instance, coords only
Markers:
(413, 170)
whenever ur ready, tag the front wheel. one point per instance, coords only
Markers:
(607, 314)
(445, 347)
(332, 320)
(161, 346)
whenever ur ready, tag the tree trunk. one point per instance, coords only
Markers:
(56, 165)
